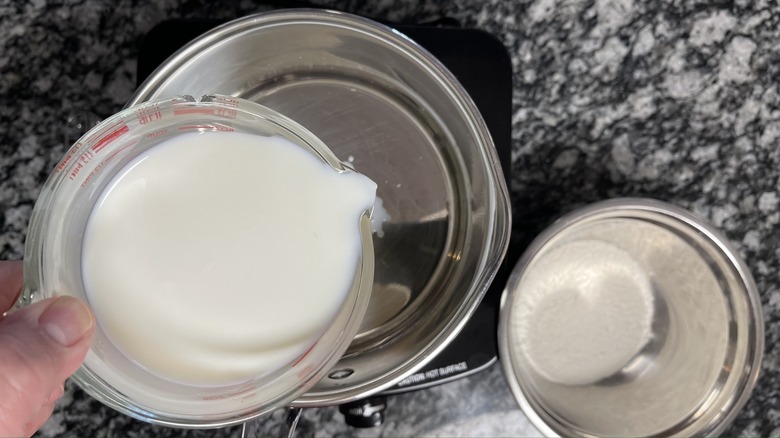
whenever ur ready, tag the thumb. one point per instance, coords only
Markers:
(40, 346)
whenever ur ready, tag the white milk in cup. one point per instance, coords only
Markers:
(225, 251)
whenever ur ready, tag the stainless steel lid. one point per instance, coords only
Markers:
(688, 371)
(387, 108)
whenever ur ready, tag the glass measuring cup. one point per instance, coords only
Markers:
(53, 264)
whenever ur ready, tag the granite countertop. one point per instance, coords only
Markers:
(675, 100)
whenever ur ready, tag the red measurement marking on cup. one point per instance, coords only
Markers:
(305, 371)
(110, 157)
(221, 112)
(157, 133)
(111, 128)
(103, 142)
(304, 355)
(68, 157)
(149, 114)
(85, 158)
(104, 162)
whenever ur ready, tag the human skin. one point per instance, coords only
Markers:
(41, 345)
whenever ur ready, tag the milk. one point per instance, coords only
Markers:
(214, 258)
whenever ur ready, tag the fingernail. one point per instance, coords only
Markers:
(66, 320)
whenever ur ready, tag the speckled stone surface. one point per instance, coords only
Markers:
(675, 100)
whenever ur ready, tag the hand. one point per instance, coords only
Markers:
(40, 346)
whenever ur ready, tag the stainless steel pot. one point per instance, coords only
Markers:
(392, 111)
(700, 363)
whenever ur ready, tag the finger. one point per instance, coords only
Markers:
(56, 393)
(38, 420)
(10, 283)
(40, 346)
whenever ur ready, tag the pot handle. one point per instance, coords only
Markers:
(290, 423)
(251, 429)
